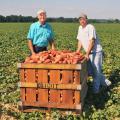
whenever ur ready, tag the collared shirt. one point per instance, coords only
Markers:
(85, 35)
(40, 34)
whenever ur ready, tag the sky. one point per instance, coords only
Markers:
(95, 9)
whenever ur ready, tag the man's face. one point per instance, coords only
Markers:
(42, 17)
(83, 22)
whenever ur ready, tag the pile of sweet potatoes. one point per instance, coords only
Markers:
(54, 56)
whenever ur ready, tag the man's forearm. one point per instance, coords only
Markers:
(30, 45)
(79, 46)
(52, 44)
(91, 45)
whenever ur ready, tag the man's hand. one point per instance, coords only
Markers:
(30, 45)
(53, 47)
(52, 44)
(77, 51)
(33, 55)
(90, 47)
(79, 46)
(87, 56)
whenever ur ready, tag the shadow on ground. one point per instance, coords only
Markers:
(99, 101)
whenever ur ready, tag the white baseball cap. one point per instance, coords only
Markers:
(41, 11)
(83, 16)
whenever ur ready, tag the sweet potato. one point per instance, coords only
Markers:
(47, 61)
(53, 56)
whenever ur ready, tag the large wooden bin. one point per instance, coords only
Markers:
(60, 86)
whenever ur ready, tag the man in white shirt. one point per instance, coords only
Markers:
(88, 40)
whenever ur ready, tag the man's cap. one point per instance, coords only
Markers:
(83, 16)
(41, 11)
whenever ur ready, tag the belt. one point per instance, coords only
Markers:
(39, 46)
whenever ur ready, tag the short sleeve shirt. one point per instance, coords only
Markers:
(40, 35)
(86, 34)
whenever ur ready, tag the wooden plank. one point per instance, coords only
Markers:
(64, 112)
(67, 95)
(54, 94)
(77, 81)
(80, 95)
(83, 71)
(27, 109)
(84, 91)
(50, 66)
(79, 107)
(22, 90)
(30, 92)
(52, 105)
(77, 97)
(42, 93)
(77, 76)
(50, 86)
(83, 75)
(27, 85)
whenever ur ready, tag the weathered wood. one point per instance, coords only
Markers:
(42, 93)
(54, 94)
(77, 77)
(84, 91)
(46, 110)
(22, 79)
(50, 66)
(67, 95)
(50, 86)
(83, 72)
(64, 111)
(53, 105)
(30, 92)
(77, 81)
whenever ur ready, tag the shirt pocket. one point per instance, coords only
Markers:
(47, 34)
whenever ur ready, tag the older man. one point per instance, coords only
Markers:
(88, 39)
(40, 34)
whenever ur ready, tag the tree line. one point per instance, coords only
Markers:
(20, 18)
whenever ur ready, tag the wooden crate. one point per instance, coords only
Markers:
(47, 86)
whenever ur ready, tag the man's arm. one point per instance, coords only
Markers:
(79, 46)
(52, 44)
(30, 45)
(91, 45)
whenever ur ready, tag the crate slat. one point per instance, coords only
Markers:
(50, 86)
(43, 93)
(22, 91)
(50, 66)
(53, 105)
(54, 94)
(67, 96)
(30, 92)
(77, 80)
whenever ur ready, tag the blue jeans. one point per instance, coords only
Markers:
(95, 70)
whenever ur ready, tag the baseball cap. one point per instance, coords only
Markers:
(41, 11)
(83, 16)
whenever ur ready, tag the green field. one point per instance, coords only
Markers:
(13, 49)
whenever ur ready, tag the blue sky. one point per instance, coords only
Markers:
(104, 9)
